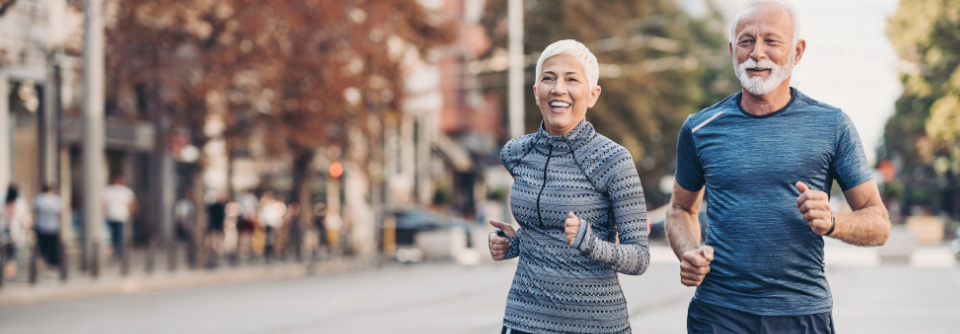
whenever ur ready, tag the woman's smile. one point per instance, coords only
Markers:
(559, 106)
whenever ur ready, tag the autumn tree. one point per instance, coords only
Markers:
(306, 74)
(668, 65)
(924, 131)
(338, 76)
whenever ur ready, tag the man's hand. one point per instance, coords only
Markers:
(815, 207)
(500, 245)
(571, 227)
(695, 265)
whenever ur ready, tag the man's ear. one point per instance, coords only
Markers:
(800, 48)
(730, 47)
(594, 96)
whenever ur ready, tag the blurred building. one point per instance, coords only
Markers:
(41, 94)
(451, 128)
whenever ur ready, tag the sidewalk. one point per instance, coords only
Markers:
(839, 254)
(110, 282)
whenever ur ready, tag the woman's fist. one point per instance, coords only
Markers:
(572, 227)
(500, 245)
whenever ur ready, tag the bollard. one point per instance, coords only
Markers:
(94, 266)
(171, 255)
(148, 265)
(62, 256)
(35, 250)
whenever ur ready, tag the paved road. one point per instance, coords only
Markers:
(447, 298)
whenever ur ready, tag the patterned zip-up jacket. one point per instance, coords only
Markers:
(558, 288)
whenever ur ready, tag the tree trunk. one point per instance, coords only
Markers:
(302, 179)
(199, 213)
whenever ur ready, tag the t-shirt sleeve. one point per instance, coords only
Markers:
(689, 172)
(130, 195)
(849, 166)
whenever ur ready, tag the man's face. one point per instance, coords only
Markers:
(763, 49)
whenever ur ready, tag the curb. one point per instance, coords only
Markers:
(85, 287)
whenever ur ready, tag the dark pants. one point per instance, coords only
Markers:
(707, 318)
(116, 236)
(512, 331)
(49, 247)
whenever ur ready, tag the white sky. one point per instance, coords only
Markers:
(849, 62)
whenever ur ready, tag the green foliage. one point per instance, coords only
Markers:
(926, 123)
(671, 66)
(497, 194)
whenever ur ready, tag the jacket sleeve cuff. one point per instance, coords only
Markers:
(581, 235)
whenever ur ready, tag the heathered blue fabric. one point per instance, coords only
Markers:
(767, 260)
(560, 288)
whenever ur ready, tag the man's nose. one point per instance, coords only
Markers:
(758, 52)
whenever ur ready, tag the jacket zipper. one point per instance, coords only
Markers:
(544, 185)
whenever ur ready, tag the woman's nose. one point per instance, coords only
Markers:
(560, 87)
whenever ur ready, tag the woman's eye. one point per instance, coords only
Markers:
(572, 79)
(547, 78)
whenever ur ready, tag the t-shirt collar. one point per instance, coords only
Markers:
(794, 94)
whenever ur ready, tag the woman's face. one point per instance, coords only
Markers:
(563, 94)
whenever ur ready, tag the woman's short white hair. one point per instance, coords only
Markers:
(576, 49)
(751, 3)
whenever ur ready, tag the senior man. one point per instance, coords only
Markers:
(767, 157)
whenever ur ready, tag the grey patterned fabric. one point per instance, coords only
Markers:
(558, 288)
(47, 208)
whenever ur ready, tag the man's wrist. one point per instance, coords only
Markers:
(833, 224)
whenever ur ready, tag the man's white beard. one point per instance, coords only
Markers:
(758, 86)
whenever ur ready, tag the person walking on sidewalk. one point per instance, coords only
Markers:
(767, 158)
(575, 194)
(213, 239)
(120, 204)
(48, 206)
(15, 225)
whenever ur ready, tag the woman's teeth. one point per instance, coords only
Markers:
(559, 104)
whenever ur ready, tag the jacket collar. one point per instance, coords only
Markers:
(580, 135)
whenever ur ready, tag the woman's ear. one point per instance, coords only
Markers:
(594, 96)
(535, 96)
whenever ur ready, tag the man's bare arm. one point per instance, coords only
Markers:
(683, 224)
(869, 224)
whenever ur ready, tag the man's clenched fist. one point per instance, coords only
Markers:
(695, 265)
(500, 245)
(815, 207)
(571, 227)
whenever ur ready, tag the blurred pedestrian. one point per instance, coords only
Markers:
(121, 204)
(580, 205)
(216, 214)
(320, 214)
(183, 215)
(767, 158)
(246, 222)
(271, 217)
(48, 207)
(13, 235)
(292, 236)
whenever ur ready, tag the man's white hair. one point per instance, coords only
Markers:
(576, 49)
(751, 3)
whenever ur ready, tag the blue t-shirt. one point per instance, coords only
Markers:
(767, 261)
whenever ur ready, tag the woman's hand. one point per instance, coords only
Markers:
(500, 245)
(572, 227)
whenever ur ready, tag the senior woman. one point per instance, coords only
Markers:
(575, 193)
